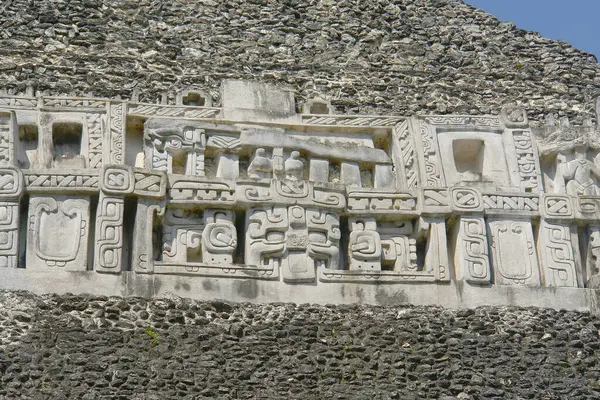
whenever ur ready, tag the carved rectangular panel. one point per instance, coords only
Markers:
(116, 142)
(108, 254)
(514, 259)
(295, 239)
(558, 255)
(95, 132)
(144, 240)
(58, 230)
(9, 234)
(8, 132)
(471, 250)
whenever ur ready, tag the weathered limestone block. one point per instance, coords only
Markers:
(364, 245)
(296, 239)
(471, 256)
(109, 234)
(58, 232)
(514, 258)
(558, 249)
(145, 241)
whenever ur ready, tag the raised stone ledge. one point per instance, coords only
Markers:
(252, 193)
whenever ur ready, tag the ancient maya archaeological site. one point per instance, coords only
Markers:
(302, 200)
(121, 197)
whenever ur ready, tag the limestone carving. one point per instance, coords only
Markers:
(579, 176)
(261, 166)
(513, 252)
(253, 190)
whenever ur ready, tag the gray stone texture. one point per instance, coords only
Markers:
(77, 347)
(370, 57)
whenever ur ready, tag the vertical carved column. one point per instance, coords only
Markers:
(8, 132)
(557, 251)
(592, 279)
(436, 255)
(471, 253)
(116, 134)
(150, 188)
(109, 234)
(116, 181)
(144, 241)
(471, 256)
(195, 156)
(11, 189)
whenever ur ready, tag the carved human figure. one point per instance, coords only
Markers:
(579, 173)
(294, 167)
(261, 166)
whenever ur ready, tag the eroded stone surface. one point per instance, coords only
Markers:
(383, 57)
(64, 347)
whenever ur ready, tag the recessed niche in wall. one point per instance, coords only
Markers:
(179, 162)
(66, 139)
(28, 144)
(468, 158)
(134, 142)
(319, 108)
(193, 99)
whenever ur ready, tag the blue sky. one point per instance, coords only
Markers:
(574, 21)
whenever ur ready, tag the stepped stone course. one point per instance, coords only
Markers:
(66, 347)
(368, 57)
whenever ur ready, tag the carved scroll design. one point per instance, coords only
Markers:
(471, 256)
(526, 160)
(433, 173)
(117, 133)
(559, 267)
(407, 147)
(109, 234)
(294, 239)
(95, 139)
(9, 234)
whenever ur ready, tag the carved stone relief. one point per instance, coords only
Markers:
(343, 198)
(109, 234)
(514, 259)
(296, 239)
(58, 233)
(558, 255)
(471, 256)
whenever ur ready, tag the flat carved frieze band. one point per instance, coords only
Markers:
(253, 190)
